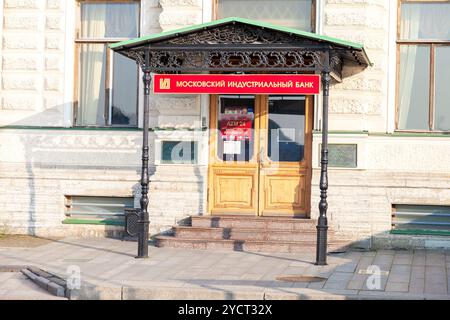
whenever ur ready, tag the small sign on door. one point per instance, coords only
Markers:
(232, 147)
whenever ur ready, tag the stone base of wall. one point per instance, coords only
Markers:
(64, 231)
(409, 242)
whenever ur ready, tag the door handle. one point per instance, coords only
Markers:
(261, 155)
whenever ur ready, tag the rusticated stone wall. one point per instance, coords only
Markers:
(391, 169)
(32, 62)
(363, 97)
(39, 167)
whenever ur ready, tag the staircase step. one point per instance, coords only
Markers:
(273, 235)
(187, 232)
(245, 245)
(184, 232)
(247, 222)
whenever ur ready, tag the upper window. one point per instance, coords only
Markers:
(424, 72)
(107, 82)
(297, 14)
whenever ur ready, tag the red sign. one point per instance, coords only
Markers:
(236, 84)
(237, 129)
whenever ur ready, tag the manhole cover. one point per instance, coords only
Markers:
(300, 279)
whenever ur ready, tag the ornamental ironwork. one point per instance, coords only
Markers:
(237, 34)
(219, 60)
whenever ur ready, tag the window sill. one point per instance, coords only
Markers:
(71, 128)
(407, 133)
(104, 222)
(421, 232)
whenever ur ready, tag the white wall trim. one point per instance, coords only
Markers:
(69, 62)
(392, 67)
(207, 11)
(319, 15)
(318, 98)
(1, 31)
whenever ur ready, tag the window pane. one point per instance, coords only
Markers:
(288, 13)
(442, 90)
(124, 91)
(236, 125)
(286, 128)
(414, 87)
(109, 20)
(425, 21)
(91, 104)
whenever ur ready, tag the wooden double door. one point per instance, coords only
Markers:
(260, 155)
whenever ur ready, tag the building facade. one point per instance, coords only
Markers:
(71, 109)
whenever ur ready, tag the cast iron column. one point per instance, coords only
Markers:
(322, 226)
(143, 218)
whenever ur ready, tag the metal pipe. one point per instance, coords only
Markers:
(143, 218)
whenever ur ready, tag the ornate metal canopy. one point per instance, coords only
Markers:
(241, 45)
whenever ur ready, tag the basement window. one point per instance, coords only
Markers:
(421, 219)
(97, 208)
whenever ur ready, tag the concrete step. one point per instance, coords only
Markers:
(186, 232)
(245, 245)
(273, 235)
(250, 222)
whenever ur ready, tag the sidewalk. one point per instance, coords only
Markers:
(110, 271)
(16, 286)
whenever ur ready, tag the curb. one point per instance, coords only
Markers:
(57, 287)
(100, 292)
(47, 281)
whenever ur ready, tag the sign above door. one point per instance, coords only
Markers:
(294, 84)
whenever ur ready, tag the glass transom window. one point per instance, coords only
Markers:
(289, 13)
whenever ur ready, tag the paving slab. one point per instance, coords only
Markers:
(16, 286)
(110, 271)
(397, 287)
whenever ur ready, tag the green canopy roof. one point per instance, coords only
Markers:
(354, 52)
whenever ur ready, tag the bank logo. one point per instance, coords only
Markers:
(164, 84)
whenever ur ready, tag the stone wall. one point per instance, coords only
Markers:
(39, 167)
(392, 169)
(178, 191)
(360, 101)
(32, 62)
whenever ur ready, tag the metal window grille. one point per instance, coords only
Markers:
(85, 207)
(421, 218)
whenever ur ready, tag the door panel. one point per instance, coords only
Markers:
(235, 190)
(233, 172)
(265, 171)
(284, 192)
(285, 167)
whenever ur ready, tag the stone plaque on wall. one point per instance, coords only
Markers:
(341, 155)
